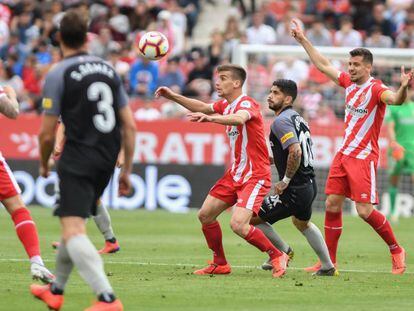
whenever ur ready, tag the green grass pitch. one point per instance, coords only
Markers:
(159, 251)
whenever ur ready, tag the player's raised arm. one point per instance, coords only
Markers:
(8, 103)
(390, 98)
(193, 105)
(320, 61)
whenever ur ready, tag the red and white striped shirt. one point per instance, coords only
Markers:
(364, 113)
(250, 157)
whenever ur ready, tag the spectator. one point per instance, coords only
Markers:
(178, 18)
(259, 80)
(283, 29)
(121, 67)
(140, 18)
(215, 50)
(147, 113)
(259, 33)
(232, 34)
(43, 55)
(347, 36)
(174, 35)
(269, 17)
(325, 116)
(31, 79)
(192, 10)
(406, 38)
(379, 19)
(143, 78)
(319, 35)
(119, 24)
(15, 51)
(101, 44)
(7, 77)
(173, 77)
(202, 69)
(293, 69)
(377, 39)
(4, 33)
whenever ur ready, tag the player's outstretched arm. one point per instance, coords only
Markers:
(320, 61)
(193, 105)
(46, 142)
(8, 103)
(238, 118)
(390, 98)
(128, 146)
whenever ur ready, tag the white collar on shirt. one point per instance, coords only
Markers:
(365, 83)
(234, 102)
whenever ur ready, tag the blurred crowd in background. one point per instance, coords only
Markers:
(29, 45)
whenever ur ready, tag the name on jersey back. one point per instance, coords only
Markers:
(86, 69)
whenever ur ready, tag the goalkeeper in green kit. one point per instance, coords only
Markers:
(400, 126)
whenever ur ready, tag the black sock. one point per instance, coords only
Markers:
(55, 290)
(107, 297)
(113, 240)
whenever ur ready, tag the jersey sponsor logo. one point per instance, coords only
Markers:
(245, 104)
(234, 133)
(357, 112)
(286, 137)
(47, 103)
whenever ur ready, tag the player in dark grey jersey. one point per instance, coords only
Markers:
(88, 95)
(295, 191)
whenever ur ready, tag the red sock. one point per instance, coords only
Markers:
(333, 230)
(382, 226)
(257, 238)
(26, 231)
(213, 235)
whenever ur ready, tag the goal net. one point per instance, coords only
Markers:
(322, 103)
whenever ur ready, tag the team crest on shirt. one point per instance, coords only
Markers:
(245, 104)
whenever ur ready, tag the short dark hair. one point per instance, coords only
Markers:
(237, 71)
(287, 87)
(73, 29)
(365, 53)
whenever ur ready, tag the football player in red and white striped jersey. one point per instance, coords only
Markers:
(11, 199)
(247, 181)
(353, 171)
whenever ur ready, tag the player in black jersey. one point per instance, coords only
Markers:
(88, 95)
(296, 189)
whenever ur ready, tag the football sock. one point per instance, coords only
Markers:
(103, 222)
(257, 238)
(382, 226)
(333, 230)
(27, 233)
(273, 237)
(316, 241)
(213, 235)
(393, 195)
(90, 266)
(64, 266)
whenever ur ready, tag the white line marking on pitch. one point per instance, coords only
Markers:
(137, 263)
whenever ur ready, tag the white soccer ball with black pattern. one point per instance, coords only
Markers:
(153, 45)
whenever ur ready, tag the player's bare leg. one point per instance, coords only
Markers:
(316, 241)
(210, 210)
(382, 226)
(28, 236)
(240, 224)
(333, 227)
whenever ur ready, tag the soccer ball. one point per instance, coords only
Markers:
(153, 45)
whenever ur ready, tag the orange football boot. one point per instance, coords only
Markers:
(280, 265)
(106, 306)
(110, 248)
(42, 292)
(214, 268)
(317, 267)
(398, 262)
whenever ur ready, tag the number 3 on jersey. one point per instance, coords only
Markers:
(305, 141)
(105, 120)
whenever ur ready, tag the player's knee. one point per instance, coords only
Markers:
(364, 210)
(333, 205)
(204, 217)
(239, 227)
(300, 224)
